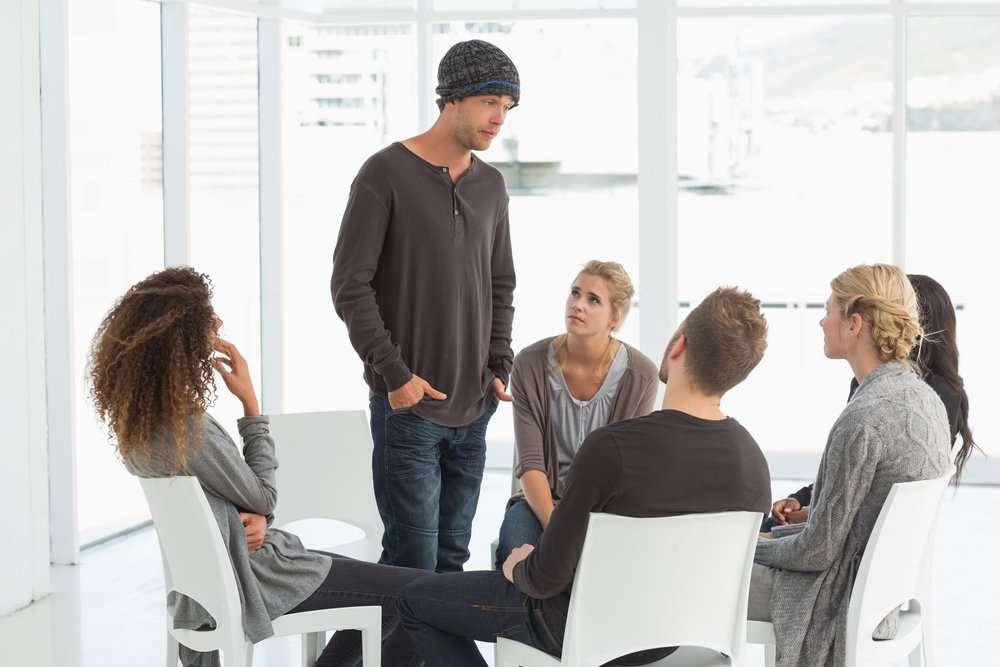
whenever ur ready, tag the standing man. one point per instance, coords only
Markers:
(423, 277)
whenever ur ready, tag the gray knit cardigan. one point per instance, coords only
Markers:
(894, 429)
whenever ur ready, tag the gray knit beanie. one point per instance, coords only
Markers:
(476, 67)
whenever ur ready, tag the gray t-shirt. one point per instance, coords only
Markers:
(573, 419)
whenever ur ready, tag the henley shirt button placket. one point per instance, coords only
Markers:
(444, 170)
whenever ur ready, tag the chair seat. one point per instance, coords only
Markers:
(320, 620)
(515, 652)
(360, 549)
(690, 656)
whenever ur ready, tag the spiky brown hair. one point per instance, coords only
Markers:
(150, 365)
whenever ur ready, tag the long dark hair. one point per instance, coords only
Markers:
(938, 353)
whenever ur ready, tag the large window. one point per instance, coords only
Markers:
(224, 218)
(117, 217)
(785, 167)
(325, 141)
(784, 149)
(568, 154)
(953, 157)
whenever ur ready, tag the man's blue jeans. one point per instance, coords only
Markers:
(445, 614)
(520, 526)
(427, 481)
(448, 612)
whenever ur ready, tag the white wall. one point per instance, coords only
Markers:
(24, 510)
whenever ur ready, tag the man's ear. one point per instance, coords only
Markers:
(679, 347)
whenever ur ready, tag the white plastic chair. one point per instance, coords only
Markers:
(197, 564)
(653, 582)
(895, 570)
(325, 472)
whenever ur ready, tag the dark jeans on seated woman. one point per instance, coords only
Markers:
(355, 583)
(520, 526)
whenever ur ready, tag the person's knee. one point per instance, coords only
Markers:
(404, 609)
(407, 602)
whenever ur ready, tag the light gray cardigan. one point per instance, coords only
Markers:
(894, 429)
(273, 579)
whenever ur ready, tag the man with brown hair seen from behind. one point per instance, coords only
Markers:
(423, 277)
(687, 458)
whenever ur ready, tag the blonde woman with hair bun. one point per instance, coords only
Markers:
(894, 429)
(566, 386)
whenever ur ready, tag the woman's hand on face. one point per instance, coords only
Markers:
(235, 372)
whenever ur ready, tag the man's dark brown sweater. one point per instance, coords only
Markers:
(423, 277)
(664, 464)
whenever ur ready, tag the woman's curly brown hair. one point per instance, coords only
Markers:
(150, 365)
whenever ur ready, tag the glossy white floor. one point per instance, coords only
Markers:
(109, 610)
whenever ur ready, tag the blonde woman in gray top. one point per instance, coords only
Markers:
(566, 386)
(894, 429)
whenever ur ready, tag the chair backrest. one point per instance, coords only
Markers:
(515, 482)
(890, 573)
(325, 469)
(667, 581)
(196, 561)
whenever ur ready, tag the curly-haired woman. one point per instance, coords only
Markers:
(151, 373)
(894, 429)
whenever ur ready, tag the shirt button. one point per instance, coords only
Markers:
(456, 211)
(444, 170)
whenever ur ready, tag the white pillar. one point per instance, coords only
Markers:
(24, 493)
(54, 38)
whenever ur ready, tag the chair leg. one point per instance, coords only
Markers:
(240, 656)
(173, 651)
(312, 646)
(916, 658)
(371, 647)
(928, 636)
(770, 655)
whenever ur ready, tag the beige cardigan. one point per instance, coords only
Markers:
(534, 434)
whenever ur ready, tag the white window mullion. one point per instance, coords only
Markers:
(899, 123)
(425, 83)
(657, 127)
(269, 169)
(176, 137)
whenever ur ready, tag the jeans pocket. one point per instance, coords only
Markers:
(410, 445)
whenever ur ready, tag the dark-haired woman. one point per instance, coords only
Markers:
(151, 373)
(937, 357)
